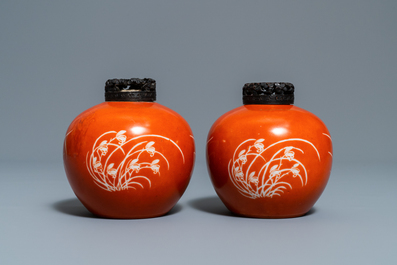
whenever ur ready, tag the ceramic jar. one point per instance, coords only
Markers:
(268, 158)
(129, 157)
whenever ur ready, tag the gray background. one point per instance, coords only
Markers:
(55, 57)
(340, 55)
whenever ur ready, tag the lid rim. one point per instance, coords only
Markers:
(272, 93)
(133, 89)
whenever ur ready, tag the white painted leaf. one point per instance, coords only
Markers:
(104, 142)
(252, 174)
(260, 140)
(241, 153)
(296, 165)
(134, 161)
(149, 145)
(94, 159)
(273, 168)
(155, 161)
(110, 166)
(120, 133)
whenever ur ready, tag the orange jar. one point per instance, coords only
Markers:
(268, 158)
(129, 157)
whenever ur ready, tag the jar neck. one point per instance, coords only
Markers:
(260, 107)
(273, 99)
(130, 96)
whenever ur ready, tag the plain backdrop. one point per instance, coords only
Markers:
(55, 57)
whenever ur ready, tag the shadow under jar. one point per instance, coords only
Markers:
(129, 157)
(268, 158)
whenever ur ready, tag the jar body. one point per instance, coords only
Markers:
(269, 161)
(129, 159)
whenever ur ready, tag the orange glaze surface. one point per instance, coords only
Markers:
(129, 159)
(269, 161)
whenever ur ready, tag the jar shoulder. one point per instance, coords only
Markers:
(122, 114)
(249, 117)
(121, 109)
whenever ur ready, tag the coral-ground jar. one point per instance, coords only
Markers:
(268, 158)
(129, 157)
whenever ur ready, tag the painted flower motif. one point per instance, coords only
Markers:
(259, 145)
(238, 173)
(150, 149)
(121, 137)
(243, 159)
(253, 179)
(154, 166)
(288, 153)
(274, 172)
(134, 166)
(119, 162)
(276, 167)
(97, 165)
(112, 171)
(273, 168)
(103, 147)
(295, 171)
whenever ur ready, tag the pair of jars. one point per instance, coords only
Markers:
(130, 157)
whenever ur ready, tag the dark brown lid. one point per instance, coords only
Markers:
(133, 89)
(277, 93)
